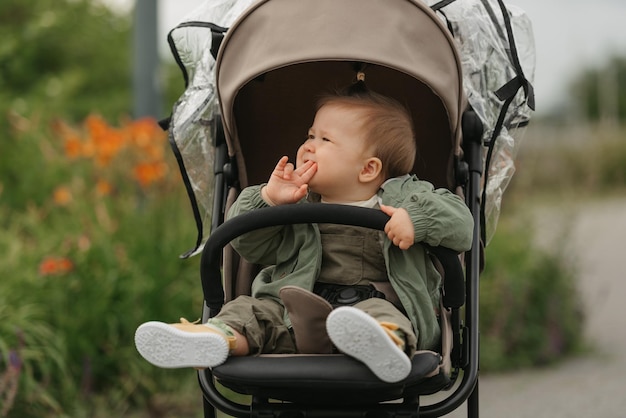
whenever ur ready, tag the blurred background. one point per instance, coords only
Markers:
(94, 214)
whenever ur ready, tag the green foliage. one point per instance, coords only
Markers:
(581, 160)
(82, 267)
(601, 91)
(89, 245)
(530, 310)
(72, 55)
(174, 84)
(611, 163)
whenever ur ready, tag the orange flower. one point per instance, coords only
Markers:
(103, 188)
(96, 126)
(72, 142)
(62, 196)
(140, 142)
(147, 137)
(148, 173)
(145, 131)
(73, 146)
(55, 265)
(105, 140)
(108, 147)
(88, 148)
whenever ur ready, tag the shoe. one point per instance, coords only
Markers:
(358, 335)
(185, 344)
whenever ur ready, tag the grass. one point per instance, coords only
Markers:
(570, 161)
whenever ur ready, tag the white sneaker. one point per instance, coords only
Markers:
(358, 335)
(183, 345)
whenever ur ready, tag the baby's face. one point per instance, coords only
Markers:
(336, 143)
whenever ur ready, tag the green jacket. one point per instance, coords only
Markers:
(294, 251)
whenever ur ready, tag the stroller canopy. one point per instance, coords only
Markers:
(281, 54)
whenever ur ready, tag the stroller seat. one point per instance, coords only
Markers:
(341, 380)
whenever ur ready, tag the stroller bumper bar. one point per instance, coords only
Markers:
(295, 214)
(454, 296)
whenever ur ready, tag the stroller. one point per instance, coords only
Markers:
(249, 99)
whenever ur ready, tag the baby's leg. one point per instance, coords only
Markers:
(261, 322)
(245, 325)
(376, 341)
(185, 344)
(386, 312)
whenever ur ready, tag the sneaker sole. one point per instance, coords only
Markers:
(168, 347)
(358, 335)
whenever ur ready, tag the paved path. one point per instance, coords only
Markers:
(593, 385)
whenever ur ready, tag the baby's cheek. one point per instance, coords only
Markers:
(299, 157)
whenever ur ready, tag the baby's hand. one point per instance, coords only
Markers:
(399, 228)
(286, 184)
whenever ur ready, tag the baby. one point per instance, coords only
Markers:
(358, 151)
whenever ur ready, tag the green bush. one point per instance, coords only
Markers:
(90, 251)
(611, 166)
(580, 160)
(530, 310)
(68, 56)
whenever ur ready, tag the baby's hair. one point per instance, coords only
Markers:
(388, 126)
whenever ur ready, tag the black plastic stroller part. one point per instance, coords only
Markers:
(210, 271)
(217, 34)
(329, 385)
(472, 148)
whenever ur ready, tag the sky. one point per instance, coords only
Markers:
(570, 36)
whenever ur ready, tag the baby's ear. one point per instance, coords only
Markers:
(372, 168)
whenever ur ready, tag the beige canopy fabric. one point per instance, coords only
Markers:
(281, 54)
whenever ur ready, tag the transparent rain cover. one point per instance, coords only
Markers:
(483, 44)
(192, 127)
(479, 29)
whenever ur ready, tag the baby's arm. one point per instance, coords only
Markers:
(439, 217)
(399, 228)
(286, 184)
